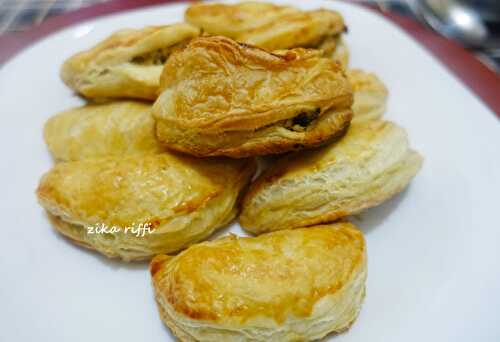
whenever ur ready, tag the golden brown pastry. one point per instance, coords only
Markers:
(273, 27)
(126, 64)
(370, 164)
(370, 95)
(293, 285)
(181, 199)
(97, 130)
(219, 97)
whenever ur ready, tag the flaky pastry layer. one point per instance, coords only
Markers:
(370, 164)
(219, 97)
(98, 130)
(293, 285)
(370, 95)
(127, 64)
(271, 26)
(182, 199)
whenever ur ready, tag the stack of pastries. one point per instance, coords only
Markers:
(177, 122)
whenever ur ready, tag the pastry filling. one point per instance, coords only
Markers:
(300, 122)
(156, 57)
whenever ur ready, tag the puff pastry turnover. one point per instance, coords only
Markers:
(219, 97)
(127, 64)
(370, 95)
(97, 130)
(370, 164)
(294, 285)
(182, 199)
(273, 27)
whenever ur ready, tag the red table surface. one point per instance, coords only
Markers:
(481, 80)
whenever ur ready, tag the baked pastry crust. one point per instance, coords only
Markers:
(272, 27)
(370, 95)
(183, 200)
(219, 97)
(293, 285)
(369, 165)
(97, 130)
(127, 64)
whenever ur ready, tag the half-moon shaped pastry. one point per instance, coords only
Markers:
(293, 285)
(369, 165)
(181, 200)
(219, 97)
(273, 27)
(97, 130)
(126, 64)
(370, 95)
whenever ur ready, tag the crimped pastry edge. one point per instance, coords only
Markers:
(187, 329)
(274, 139)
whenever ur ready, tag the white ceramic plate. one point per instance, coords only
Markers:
(434, 250)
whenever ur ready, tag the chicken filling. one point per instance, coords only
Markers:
(156, 57)
(300, 122)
